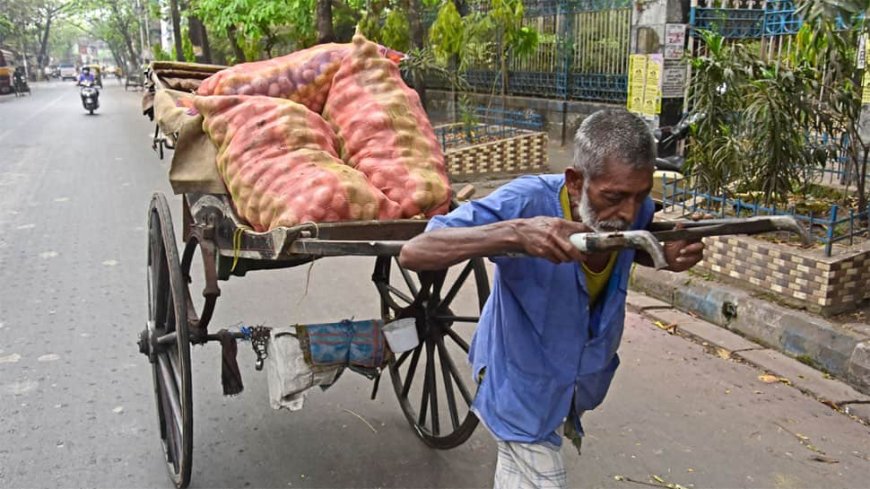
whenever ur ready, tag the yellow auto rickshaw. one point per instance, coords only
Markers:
(7, 68)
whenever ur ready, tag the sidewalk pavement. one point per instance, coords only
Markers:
(729, 345)
(842, 351)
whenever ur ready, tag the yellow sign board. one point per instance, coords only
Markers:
(645, 84)
(865, 88)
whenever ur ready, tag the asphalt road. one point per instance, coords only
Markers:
(76, 403)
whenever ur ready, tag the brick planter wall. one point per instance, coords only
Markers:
(525, 153)
(803, 278)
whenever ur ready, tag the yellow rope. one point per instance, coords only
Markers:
(237, 247)
(311, 266)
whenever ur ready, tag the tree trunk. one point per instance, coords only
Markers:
(206, 46)
(325, 32)
(128, 43)
(418, 33)
(199, 39)
(43, 44)
(234, 45)
(120, 62)
(176, 29)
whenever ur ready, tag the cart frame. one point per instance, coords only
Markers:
(229, 248)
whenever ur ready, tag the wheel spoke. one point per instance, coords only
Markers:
(409, 280)
(165, 298)
(448, 384)
(167, 339)
(401, 295)
(460, 280)
(421, 420)
(447, 318)
(409, 377)
(171, 391)
(169, 431)
(438, 279)
(402, 358)
(458, 339)
(173, 362)
(466, 395)
(432, 383)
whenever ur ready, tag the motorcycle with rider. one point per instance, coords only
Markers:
(19, 82)
(89, 93)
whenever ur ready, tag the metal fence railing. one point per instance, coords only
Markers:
(487, 125)
(828, 227)
(582, 52)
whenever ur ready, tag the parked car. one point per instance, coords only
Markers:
(67, 71)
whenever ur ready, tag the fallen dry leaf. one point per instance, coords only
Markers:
(772, 379)
(670, 328)
(723, 353)
(823, 459)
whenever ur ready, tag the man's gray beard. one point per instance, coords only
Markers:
(589, 217)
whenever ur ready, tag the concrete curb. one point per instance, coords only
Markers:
(842, 352)
(731, 346)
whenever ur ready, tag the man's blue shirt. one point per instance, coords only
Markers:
(537, 338)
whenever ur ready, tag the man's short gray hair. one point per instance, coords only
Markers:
(615, 135)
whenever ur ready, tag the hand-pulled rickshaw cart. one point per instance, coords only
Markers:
(426, 379)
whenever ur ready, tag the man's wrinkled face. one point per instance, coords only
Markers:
(610, 201)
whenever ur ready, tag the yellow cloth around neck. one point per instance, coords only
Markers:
(595, 281)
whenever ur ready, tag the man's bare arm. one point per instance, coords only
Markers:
(544, 237)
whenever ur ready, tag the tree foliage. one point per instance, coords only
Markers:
(758, 116)
(260, 23)
(116, 22)
(26, 25)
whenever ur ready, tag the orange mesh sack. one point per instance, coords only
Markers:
(279, 163)
(385, 133)
(303, 76)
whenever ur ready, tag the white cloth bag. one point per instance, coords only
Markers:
(288, 375)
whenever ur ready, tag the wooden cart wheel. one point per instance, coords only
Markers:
(168, 343)
(433, 382)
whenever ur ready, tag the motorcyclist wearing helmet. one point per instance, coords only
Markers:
(19, 75)
(86, 77)
(19, 80)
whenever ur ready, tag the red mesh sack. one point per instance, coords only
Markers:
(279, 163)
(303, 76)
(385, 133)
